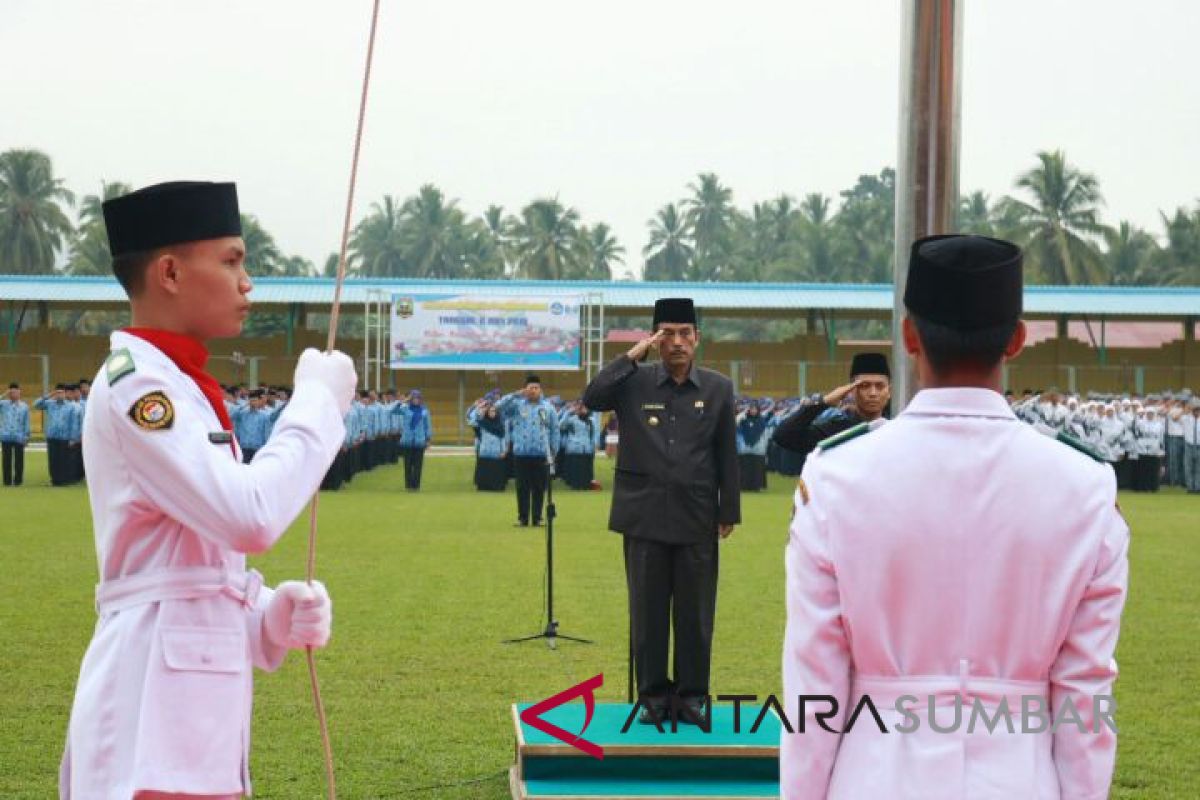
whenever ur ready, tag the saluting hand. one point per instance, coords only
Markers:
(837, 395)
(639, 350)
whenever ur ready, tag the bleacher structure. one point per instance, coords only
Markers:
(37, 348)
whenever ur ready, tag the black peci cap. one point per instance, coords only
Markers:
(965, 283)
(869, 364)
(674, 309)
(171, 213)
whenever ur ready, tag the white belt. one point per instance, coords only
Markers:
(179, 583)
(945, 689)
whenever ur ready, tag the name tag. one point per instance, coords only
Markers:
(220, 437)
(699, 404)
(653, 407)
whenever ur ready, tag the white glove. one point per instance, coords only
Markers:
(299, 615)
(334, 371)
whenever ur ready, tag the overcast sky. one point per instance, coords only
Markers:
(613, 106)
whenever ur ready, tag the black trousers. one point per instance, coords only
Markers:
(14, 463)
(531, 474)
(671, 585)
(1146, 473)
(414, 458)
(58, 459)
(491, 474)
(753, 470)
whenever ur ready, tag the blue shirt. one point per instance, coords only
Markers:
(487, 444)
(353, 426)
(58, 417)
(252, 426)
(75, 432)
(579, 435)
(14, 421)
(531, 425)
(413, 434)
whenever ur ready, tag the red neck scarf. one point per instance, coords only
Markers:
(190, 355)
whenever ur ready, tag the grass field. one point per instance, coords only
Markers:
(426, 585)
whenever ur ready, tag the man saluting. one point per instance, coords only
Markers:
(162, 708)
(676, 491)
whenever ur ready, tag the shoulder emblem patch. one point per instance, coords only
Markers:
(152, 412)
(118, 365)
(1083, 447)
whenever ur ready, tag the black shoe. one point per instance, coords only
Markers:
(692, 711)
(537, 523)
(653, 714)
(521, 523)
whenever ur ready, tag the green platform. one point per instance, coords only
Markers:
(644, 763)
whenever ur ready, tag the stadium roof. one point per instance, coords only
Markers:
(871, 300)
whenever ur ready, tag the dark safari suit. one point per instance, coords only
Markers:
(676, 480)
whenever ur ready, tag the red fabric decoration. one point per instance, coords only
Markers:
(191, 356)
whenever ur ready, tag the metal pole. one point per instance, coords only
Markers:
(927, 166)
(462, 403)
(366, 374)
(379, 343)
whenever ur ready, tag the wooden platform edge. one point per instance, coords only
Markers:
(652, 751)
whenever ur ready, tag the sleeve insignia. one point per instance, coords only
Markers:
(152, 412)
(1082, 447)
(843, 437)
(118, 365)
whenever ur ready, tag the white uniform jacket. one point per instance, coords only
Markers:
(952, 552)
(164, 693)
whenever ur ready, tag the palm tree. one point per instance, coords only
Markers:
(375, 249)
(544, 240)
(866, 229)
(814, 242)
(262, 254)
(33, 225)
(1129, 255)
(711, 217)
(430, 229)
(975, 214)
(670, 249)
(296, 267)
(478, 251)
(1061, 224)
(1179, 262)
(89, 254)
(330, 269)
(498, 231)
(599, 250)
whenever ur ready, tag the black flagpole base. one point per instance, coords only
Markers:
(551, 635)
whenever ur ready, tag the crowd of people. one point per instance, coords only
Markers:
(517, 434)
(62, 426)
(1149, 441)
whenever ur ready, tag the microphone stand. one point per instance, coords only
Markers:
(550, 633)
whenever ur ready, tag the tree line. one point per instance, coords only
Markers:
(1054, 212)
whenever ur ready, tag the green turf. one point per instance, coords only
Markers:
(425, 586)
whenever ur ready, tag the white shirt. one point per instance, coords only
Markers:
(164, 694)
(1175, 421)
(952, 550)
(1189, 428)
